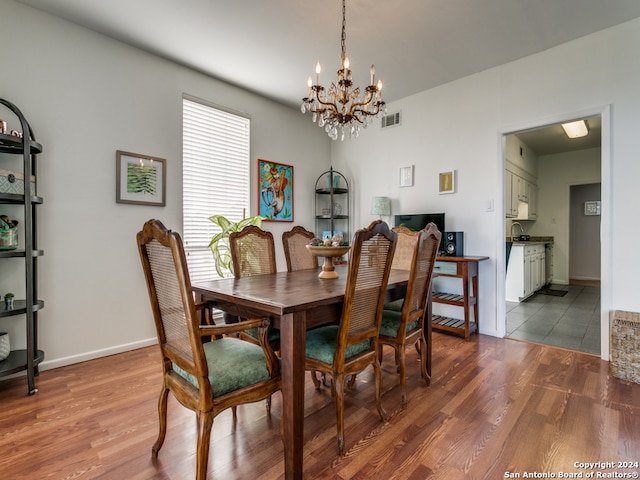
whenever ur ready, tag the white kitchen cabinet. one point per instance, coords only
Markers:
(525, 272)
(523, 189)
(521, 197)
(511, 194)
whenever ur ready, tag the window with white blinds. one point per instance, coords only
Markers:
(215, 178)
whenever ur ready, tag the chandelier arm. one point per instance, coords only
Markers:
(332, 105)
(365, 101)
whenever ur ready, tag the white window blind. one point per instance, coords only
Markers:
(215, 178)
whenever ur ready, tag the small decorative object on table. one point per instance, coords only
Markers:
(329, 248)
(8, 300)
(5, 346)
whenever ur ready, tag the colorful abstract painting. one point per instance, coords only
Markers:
(275, 191)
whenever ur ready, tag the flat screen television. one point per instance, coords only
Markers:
(419, 220)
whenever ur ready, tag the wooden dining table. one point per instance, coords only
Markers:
(294, 301)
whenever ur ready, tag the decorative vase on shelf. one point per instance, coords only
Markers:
(8, 301)
(5, 346)
(336, 181)
(337, 209)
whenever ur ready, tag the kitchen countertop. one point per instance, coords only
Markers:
(529, 242)
(532, 241)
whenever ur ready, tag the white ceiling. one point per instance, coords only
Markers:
(271, 46)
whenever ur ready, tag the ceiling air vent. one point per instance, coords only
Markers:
(391, 120)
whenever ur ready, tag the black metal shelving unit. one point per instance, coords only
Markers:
(26, 146)
(332, 204)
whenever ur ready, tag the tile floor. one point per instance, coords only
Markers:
(571, 321)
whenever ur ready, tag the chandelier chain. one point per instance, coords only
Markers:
(343, 38)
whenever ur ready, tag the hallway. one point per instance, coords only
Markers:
(571, 321)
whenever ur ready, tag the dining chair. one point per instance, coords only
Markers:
(253, 252)
(205, 376)
(403, 319)
(347, 348)
(403, 257)
(296, 254)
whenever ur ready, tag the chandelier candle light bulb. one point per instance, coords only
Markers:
(341, 106)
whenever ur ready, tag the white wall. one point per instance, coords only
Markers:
(87, 96)
(460, 126)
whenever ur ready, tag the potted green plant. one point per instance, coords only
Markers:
(219, 244)
(8, 300)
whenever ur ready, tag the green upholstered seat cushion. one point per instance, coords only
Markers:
(396, 305)
(391, 323)
(321, 344)
(233, 364)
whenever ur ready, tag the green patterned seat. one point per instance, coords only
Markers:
(233, 364)
(391, 320)
(322, 344)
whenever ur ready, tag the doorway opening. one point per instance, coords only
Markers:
(552, 280)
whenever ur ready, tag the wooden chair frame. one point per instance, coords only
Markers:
(359, 322)
(415, 304)
(187, 352)
(253, 252)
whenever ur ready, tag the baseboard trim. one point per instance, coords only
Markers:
(105, 352)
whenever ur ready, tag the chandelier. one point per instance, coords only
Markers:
(340, 109)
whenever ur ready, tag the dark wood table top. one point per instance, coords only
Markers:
(286, 292)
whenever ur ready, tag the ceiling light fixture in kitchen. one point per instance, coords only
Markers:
(576, 129)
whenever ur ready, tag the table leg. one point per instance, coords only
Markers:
(293, 352)
(476, 308)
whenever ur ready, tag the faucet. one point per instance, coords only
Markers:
(513, 225)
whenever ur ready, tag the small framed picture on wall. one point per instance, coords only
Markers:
(406, 176)
(447, 182)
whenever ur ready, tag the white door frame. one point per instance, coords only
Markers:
(605, 220)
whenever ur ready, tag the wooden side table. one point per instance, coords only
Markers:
(465, 268)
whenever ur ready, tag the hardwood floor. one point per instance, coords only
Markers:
(493, 406)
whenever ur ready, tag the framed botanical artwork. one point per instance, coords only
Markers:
(140, 179)
(406, 176)
(447, 182)
(275, 191)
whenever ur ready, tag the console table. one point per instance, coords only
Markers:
(466, 269)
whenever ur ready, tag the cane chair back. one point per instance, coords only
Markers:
(346, 349)
(404, 250)
(201, 374)
(295, 243)
(253, 252)
(403, 320)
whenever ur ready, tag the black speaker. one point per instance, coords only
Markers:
(453, 244)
